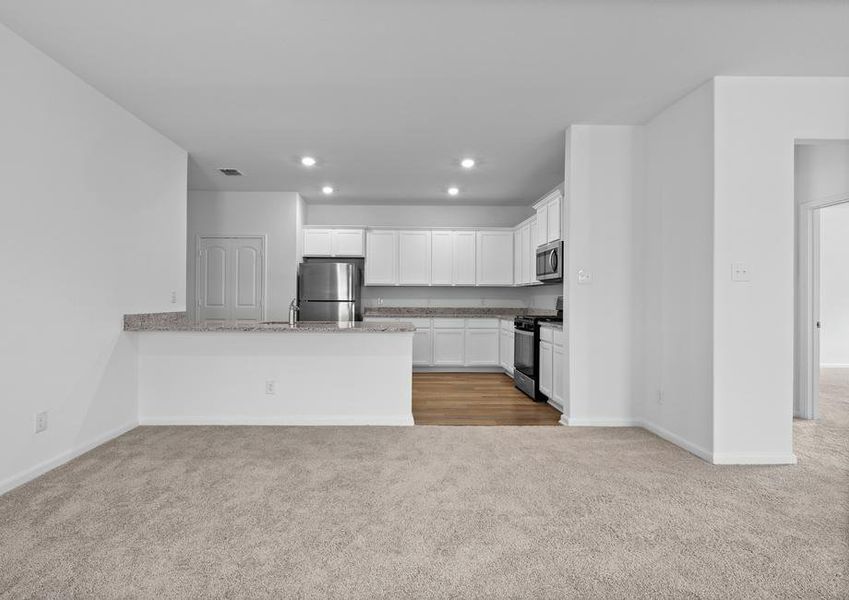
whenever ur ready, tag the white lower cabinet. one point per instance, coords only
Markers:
(422, 343)
(448, 347)
(546, 364)
(552, 365)
(482, 347)
(505, 346)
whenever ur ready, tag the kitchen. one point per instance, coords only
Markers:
(484, 305)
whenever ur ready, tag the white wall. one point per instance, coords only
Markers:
(604, 188)
(757, 122)
(678, 227)
(834, 285)
(274, 214)
(403, 215)
(321, 378)
(93, 226)
(542, 296)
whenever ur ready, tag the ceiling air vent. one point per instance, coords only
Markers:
(231, 172)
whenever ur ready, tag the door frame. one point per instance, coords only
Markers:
(263, 239)
(808, 224)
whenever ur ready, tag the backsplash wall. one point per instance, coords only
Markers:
(542, 296)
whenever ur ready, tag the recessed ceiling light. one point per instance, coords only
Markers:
(308, 161)
(327, 190)
(467, 163)
(453, 191)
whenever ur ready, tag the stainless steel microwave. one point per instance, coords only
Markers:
(550, 262)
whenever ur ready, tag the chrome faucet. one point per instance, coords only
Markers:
(294, 309)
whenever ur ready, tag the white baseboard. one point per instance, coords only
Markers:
(573, 422)
(40, 469)
(734, 458)
(293, 420)
(676, 439)
(834, 366)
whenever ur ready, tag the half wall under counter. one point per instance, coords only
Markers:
(237, 373)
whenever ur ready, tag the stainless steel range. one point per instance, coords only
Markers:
(526, 352)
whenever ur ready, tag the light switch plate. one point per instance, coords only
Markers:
(584, 277)
(740, 272)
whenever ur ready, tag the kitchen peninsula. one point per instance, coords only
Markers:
(247, 373)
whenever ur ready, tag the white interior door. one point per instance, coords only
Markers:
(230, 278)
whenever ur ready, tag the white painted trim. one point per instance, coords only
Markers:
(40, 469)
(573, 422)
(834, 366)
(735, 458)
(289, 420)
(458, 369)
(676, 439)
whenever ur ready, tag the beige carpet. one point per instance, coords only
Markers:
(431, 512)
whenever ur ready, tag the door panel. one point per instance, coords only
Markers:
(230, 278)
(441, 258)
(463, 251)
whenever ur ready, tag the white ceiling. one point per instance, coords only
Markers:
(389, 94)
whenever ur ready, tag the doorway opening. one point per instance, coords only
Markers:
(822, 277)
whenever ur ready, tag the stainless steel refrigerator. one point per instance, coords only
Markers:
(329, 291)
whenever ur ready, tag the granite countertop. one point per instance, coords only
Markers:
(455, 313)
(178, 321)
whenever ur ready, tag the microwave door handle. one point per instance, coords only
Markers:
(552, 261)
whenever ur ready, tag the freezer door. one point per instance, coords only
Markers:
(327, 311)
(327, 281)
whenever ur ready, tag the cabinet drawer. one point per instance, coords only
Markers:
(420, 323)
(507, 324)
(482, 323)
(546, 334)
(449, 323)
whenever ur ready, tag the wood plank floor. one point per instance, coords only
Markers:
(475, 399)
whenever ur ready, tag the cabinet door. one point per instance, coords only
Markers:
(525, 241)
(558, 374)
(532, 251)
(441, 258)
(414, 257)
(554, 220)
(482, 347)
(505, 351)
(422, 347)
(545, 365)
(381, 257)
(517, 256)
(542, 225)
(347, 242)
(318, 242)
(448, 347)
(494, 257)
(463, 250)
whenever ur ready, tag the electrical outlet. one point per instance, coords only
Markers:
(173, 297)
(270, 387)
(584, 277)
(740, 272)
(41, 421)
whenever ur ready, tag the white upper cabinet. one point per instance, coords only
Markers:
(348, 242)
(441, 258)
(548, 217)
(381, 257)
(333, 242)
(463, 268)
(554, 219)
(414, 257)
(452, 258)
(494, 257)
(318, 242)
